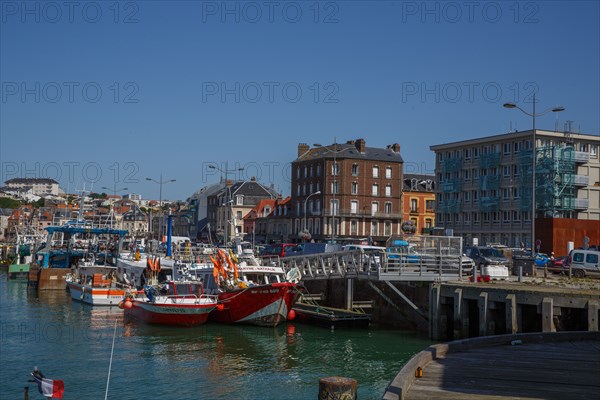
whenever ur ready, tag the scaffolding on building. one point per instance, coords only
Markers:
(557, 180)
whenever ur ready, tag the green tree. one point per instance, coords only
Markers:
(5, 202)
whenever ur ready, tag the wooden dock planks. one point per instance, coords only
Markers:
(562, 370)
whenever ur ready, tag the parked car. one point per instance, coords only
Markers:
(484, 256)
(584, 263)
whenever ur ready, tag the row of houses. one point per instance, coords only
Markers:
(482, 190)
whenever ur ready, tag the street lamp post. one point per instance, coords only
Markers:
(160, 182)
(115, 191)
(533, 115)
(228, 200)
(304, 229)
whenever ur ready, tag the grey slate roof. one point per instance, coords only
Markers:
(350, 151)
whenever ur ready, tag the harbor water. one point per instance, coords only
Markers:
(72, 341)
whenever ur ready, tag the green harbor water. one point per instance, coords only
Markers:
(72, 341)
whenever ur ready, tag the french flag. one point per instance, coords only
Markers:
(51, 388)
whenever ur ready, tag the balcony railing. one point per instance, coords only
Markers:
(577, 180)
(581, 157)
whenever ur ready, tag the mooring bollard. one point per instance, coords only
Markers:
(520, 273)
(26, 393)
(337, 388)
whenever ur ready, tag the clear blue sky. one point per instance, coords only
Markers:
(112, 93)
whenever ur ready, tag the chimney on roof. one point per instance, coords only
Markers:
(302, 148)
(253, 179)
(361, 145)
(395, 147)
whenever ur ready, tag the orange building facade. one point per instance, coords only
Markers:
(419, 202)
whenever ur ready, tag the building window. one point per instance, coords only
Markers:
(298, 173)
(354, 188)
(375, 190)
(375, 172)
(467, 154)
(355, 169)
(516, 216)
(414, 205)
(388, 172)
(334, 206)
(506, 148)
(311, 171)
(374, 208)
(374, 228)
(388, 190)
(467, 197)
(593, 151)
(319, 170)
(476, 152)
(505, 216)
(430, 205)
(387, 229)
(334, 187)
(387, 207)
(239, 215)
(335, 169)
(354, 227)
(516, 147)
(239, 200)
(467, 175)
(353, 207)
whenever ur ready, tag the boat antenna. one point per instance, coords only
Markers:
(111, 358)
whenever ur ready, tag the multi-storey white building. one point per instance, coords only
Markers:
(484, 185)
(38, 186)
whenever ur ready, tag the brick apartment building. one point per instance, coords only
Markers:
(350, 191)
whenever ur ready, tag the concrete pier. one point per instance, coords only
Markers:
(553, 365)
(459, 310)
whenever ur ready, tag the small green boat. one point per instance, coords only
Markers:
(18, 271)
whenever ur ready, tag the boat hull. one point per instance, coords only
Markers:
(264, 305)
(18, 271)
(95, 296)
(187, 315)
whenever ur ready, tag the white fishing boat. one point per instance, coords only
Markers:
(97, 285)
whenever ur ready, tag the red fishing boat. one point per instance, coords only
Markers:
(175, 303)
(248, 292)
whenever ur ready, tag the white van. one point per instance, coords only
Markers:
(584, 263)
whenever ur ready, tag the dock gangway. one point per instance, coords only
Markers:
(375, 265)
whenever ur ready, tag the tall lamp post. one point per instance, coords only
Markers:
(228, 200)
(533, 115)
(115, 191)
(335, 171)
(305, 232)
(160, 182)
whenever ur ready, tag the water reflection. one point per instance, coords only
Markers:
(72, 341)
